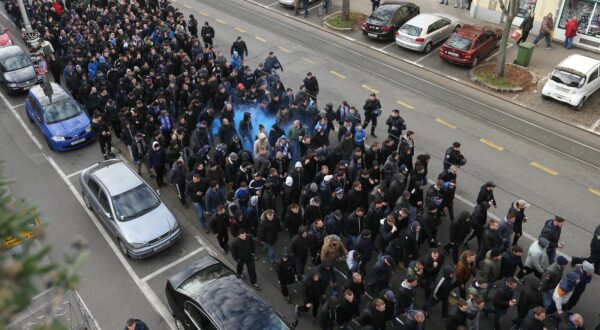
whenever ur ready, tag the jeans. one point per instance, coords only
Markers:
(271, 252)
(544, 35)
(251, 268)
(551, 255)
(548, 302)
(305, 2)
(569, 42)
(200, 213)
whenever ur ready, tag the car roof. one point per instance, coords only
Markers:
(58, 93)
(397, 3)
(579, 63)
(116, 177)
(471, 31)
(11, 50)
(228, 300)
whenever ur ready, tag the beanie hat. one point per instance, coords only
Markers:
(339, 191)
(298, 165)
(328, 178)
(313, 187)
(561, 261)
(254, 200)
(289, 181)
(587, 267)
(543, 242)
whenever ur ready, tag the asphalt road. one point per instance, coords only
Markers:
(439, 110)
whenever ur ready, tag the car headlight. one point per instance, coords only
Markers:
(175, 227)
(88, 129)
(136, 245)
(58, 138)
(12, 85)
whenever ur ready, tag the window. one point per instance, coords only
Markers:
(94, 187)
(197, 317)
(593, 76)
(104, 201)
(480, 41)
(588, 16)
(404, 10)
(432, 28)
(398, 16)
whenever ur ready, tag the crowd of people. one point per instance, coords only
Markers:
(187, 113)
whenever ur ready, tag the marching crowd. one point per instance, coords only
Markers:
(186, 112)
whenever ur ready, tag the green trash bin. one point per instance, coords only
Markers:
(524, 53)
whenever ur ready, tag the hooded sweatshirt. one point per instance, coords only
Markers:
(564, 290)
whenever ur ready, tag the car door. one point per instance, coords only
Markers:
(105, 211)
(593, 82)
(36, 112)
(401, 16)
(195, 318)
(489, 41)
(444, 29)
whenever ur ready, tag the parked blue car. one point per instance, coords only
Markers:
(60, 118)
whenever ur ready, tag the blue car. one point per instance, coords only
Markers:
(60, 118)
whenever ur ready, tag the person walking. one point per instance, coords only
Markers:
(240, 47)
(220, 222)
(268, 230)
(374, 5)
(518, 209)
(299, 249)
(546, 31)
(536, 261)
(193, 26)
(453, 156)
(459, 229)
(242, 251)
(207, 33)
(314, 288)
(551, 278)
(534, 319)
(139, 150)
(158, 160)
(103, 135)
(551, 231)
(594, 257)
(312, 86)
(526, 27)
(135, 324)
(272, 63)
(196, 190)
(570, 32)
(585, 271)
(285, 274)
(503, 300)
(372, 109)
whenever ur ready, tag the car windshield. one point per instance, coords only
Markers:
(411, 30)
(382, 15)
(15, 62)
(271, 322)
(195, 282)
(567, 78)
(61, 110)
(135, 202)
(458, 42)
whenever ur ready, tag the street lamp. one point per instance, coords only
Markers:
(32, 38)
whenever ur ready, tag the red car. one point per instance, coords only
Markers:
(5, 39)
(470, 44)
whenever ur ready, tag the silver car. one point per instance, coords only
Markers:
(132, 211)
(290, 3)
(425, 31)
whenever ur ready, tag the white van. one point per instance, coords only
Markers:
(573, 81)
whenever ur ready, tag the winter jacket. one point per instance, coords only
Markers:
(564, 290)
(299, 247)
(406, 297)
(551, 233)
(536, 257)
(547, 25)
(242, 249)
(411, 324)
(502, 297)
(551, 277)
(527, 24)
(443, 285)
(268, 229)
(456, 319)
(370, 316)
(214, 198)
(472, 315)
(459, 228)
(509, 264)
(489, 267)
(331, 253)
(292, 221)
(530, 297)
(381, 272)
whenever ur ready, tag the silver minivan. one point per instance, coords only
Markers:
(130, 209)
(573, 81)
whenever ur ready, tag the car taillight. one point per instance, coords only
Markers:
(364, 25)
(397, 33)
(468, 55)
(419, 39)
(386, 28)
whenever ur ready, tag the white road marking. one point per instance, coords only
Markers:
(508, 45)
(313, 7)
(433, 51)
(384, 47)
(596, 124)
(75, 173)
(19, 105)
(150, 295)
(382, 51)
(348, 38)
(206, 245)
(274, 3)
(453, 78)
(171, 265)
(80, 300)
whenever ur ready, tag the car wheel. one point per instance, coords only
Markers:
(179, 324)
(475, 62)
(49, 144)
(86, 200)
(545, 97)
(427, 48)
(580, 104)
(123, 248)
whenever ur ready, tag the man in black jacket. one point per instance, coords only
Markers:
(371, 107)
(220, 223)
(299, 249)
(458, 317)
(551, 231)
(503, 300)
(534, 319)
(103, 134)
(240, 47)
(314, 288)
(396, 125)
(242, 251)
(525, 27)
(312, 86)
(453, 156)
(207, 33)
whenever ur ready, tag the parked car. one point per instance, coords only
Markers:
(209, 295)
(383, 23)
(59, 117)
(573, 81)
(5, 38)
(290, 3)
(470, 44)
(133, 212)
(17, 73)
(424, 31)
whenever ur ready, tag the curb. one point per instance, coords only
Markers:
(329, 26)
(476, 80)
(460, 81)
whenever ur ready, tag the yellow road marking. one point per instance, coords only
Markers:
(406, 105)
(594, 191)
(491, 144)
(369, 88)
(260, 39)
(283, 49)
(221, 21)
(187, 6)
(445, 123)
(240, 30)
(203, 13)
(307, 60)
(337, 74)
(544, 168)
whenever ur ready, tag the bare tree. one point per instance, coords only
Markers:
(509, 15)
(346, 10)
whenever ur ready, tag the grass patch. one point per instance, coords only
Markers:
(356, 20)
(513, 76)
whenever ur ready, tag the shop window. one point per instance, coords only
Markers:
(525, 6)
(587, 13)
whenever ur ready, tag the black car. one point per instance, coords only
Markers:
(17, 73)
(209, 295)
(388, 18)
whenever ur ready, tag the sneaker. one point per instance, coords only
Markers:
(297, 311)
(373, 135)
(548, 47)
(294, 324)
(453, 294)
(455, 6)
(158, 192)
(242, 276)
(256, 285)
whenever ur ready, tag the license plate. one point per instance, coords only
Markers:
(406, 38)
(161, 246)
(453, 54)
(77, 142)
(372, 35)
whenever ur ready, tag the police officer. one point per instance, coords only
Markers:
(372, 109)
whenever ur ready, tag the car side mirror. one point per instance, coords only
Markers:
(38, 118)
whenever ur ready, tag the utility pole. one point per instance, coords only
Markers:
(31, 37)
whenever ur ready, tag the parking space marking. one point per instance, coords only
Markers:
(433, 51)
(203, 13)
(220, 21)
(384, 47)
(75, 173)
(369, 88)
(274, 3)
(453, 78)
(543, 168)
(491, 144)
(307, 60)
(260, 39)
(406, 105)
(19, 105)
(445, 123)
(348, 38)
(171, 265)
(283, 49)
(508, 45)
(313, 7)
(240, 30)
(594, 191)
(337, 74)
